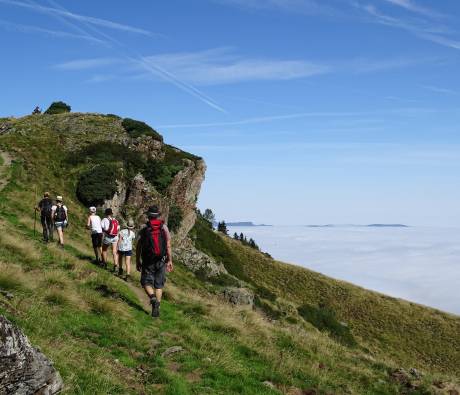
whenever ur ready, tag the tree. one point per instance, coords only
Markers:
(58, 107)
(235, 236)
(241, 236)
(222, 227)
(209, 216)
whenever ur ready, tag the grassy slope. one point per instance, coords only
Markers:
(95, 329)
(405, 332)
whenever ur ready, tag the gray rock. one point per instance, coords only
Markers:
(415, 373)
(239, 296)
(172, 350)
(23, 368)
(269, 384)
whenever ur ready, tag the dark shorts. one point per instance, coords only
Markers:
(154, 275)
(96, 238)
(125, 253)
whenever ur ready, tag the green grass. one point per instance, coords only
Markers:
(94, 326)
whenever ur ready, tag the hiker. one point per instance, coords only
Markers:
(110, 228)
(125, 249)
(153, 257)
(60, 218)
(94, 224)
(45, 207)
(36, 111)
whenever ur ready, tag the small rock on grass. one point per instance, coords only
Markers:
(269, 384)
(172, 350)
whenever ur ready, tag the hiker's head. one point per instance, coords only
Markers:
(108, 212)
(46, 195)
(92, 210)
(153, 212)
(58, 199)
(130, 224)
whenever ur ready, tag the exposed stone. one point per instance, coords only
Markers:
(415, 373)
(269, 384)
(172, 350)
(23, 368)
(118, 200)
(197, 261)
(401, 376)
(239, 296)
(146, 145)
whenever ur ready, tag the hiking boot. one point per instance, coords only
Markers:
(127, 278)
(120, 271)
(155, 307)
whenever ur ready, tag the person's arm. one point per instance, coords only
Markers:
(53, 210)
(88, 223)
(169, 263)
(120, 238)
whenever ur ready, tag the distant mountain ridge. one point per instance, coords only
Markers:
(245, 223)
(358, 226)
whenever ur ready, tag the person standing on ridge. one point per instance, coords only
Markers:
(94, 224)
(59, 214)
(125, 248)
(153, 257)
(110, 228)
(45, 207)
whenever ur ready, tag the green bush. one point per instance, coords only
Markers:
(325, 320)
(137, 129)
(97, 185)
(175, 218)
(160, 174)
(58, 107)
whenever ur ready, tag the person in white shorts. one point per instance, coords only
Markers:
(125, 248)
(94, 224)
(60, 218)
(110, 228)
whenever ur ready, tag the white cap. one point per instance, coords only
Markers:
(59, 198)
(92, 209)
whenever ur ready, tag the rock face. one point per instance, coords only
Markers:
(197, 261)
(23, 368)
(239, 296)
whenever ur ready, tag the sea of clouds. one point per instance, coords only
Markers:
(419, 264)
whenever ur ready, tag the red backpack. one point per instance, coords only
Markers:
(114, 228)
(154, 241)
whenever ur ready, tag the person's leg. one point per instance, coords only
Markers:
(128, 265)
(45, 229)
(158, 294)
(159, 282)
(49, 224)
(115, 255)
(105, 247)
(61, 235)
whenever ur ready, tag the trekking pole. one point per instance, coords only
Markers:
(35, 212)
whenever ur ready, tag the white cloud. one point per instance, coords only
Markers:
(438, 89)
(54, 33)
(410, 5)
(82, 18)
(85, 64)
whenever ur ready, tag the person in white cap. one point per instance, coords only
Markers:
(60, 218)
(94, 225)
(125, 248)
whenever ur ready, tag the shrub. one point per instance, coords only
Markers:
(175, 218)
(137, 129)
(58, 107)
(160, 174)
(325, 320)
(97, 185)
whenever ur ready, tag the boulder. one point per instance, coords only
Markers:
(239, 296)
(23, 368)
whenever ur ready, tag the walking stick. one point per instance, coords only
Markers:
(35, 212)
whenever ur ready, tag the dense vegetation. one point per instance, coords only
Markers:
(175, 218)
(137, 129)
(58, 107)
(97, 184)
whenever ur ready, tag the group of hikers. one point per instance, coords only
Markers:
(153, 243)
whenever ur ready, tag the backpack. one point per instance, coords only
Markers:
(47, 207)
(59, 214)
(114, 228)
(153, 239)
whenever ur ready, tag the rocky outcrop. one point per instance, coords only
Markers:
(197, 261)
(118, 200)
(183, 192)
(239, 296)
(23, 368)
(148, 146)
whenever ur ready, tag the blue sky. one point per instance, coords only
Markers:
(306, 111)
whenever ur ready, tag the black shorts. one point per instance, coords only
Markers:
(96, 238)
(154, 275)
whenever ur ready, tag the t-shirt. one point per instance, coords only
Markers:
(105, 223)
(126, 238)
(53, 209)
(95, 223)
(44, 204)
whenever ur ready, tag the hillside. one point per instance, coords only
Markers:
(308, 334)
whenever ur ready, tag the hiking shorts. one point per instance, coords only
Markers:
(60, 225)
(125, 253)
(96, 238)
(109, 240)
(153, 275)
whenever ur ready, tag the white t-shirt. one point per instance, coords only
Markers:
(105, 224)
(95, 223)
(126, 238)
(54, 207)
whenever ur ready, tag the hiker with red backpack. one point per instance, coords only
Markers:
(60, 218)
(153, 257)
(110, 228)
(45, 207)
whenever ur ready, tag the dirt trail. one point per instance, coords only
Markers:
(141, 296)
(4, 176)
